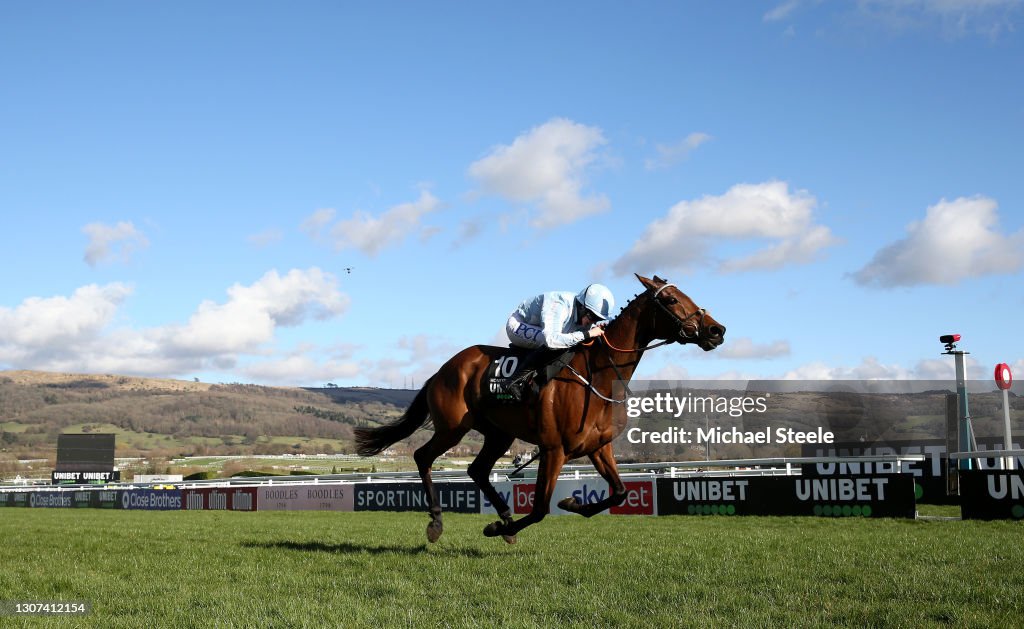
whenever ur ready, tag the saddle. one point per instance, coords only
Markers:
(518, 374)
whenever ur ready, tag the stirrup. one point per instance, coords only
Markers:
(516, 386)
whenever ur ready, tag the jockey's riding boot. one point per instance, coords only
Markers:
(517, 385)
(527, 378)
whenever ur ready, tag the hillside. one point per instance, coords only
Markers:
(171, 418)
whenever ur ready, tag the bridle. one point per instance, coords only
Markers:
(700, 313)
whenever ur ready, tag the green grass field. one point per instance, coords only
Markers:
(309, 569)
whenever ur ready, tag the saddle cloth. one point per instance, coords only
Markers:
(508, 363)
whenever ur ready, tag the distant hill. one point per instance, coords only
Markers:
(401, 398)
(162, 417)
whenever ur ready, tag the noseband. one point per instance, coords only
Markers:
(700, 313)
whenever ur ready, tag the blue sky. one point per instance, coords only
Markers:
(311, 192)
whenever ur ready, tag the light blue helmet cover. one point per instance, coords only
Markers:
(597, 299)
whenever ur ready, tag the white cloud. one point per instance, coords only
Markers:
(671, 371)
(41, 322)
(953, 19)
(265, 238)
(315, 224)
(300, 370)
(956, 18)
(545, 166)
(781, 11)
(106, 241)
(796, 250)
(249, 317)
(957, 240)
(868, 369)
(744, 348)
(871, 369)
(74, 333)
(766, 211)
(671, 153)
(423, 356)
(371, 234)
(469, 230)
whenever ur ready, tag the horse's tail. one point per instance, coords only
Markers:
(371, 441)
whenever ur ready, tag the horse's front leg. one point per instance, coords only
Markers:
(604, 462)
(551, 462)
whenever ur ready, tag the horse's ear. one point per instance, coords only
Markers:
(643, 280)
(658, 280)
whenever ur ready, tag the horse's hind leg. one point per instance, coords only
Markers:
(425, 457)
(604, 462)
(496, 443)
(551, 461)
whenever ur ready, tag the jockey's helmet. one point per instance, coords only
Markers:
(597, 299)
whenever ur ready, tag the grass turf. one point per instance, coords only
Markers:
(192, 569)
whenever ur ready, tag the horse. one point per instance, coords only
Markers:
(571, 417)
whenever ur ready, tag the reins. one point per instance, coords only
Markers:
(682, 329)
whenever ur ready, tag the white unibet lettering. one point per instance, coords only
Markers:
(1001, 485)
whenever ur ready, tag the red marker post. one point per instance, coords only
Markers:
(1004, 380)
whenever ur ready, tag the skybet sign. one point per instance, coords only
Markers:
(640, 497)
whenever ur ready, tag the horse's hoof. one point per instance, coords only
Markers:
(493, 529)
(434, 530)
(509, 539)
(569, 504)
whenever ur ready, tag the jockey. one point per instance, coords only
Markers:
(559, 320)
(556, 320)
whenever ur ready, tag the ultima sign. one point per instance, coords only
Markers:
(220, 499)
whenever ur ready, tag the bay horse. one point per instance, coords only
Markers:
(571, 417)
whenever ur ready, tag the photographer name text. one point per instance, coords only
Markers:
(669, 406)
(716, 436)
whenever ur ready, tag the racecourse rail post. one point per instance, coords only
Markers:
(964, 425)
(1004, 380)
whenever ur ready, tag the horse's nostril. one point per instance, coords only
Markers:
(717, 330)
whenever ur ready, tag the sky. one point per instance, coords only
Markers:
(350, 193)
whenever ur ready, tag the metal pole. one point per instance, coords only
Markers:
(965, 415)
(1008, 463)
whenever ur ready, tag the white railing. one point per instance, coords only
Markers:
(1005, 459)
(780, 466)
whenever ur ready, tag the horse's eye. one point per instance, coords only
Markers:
(671, 301)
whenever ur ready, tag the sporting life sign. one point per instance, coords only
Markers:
(457, 497)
